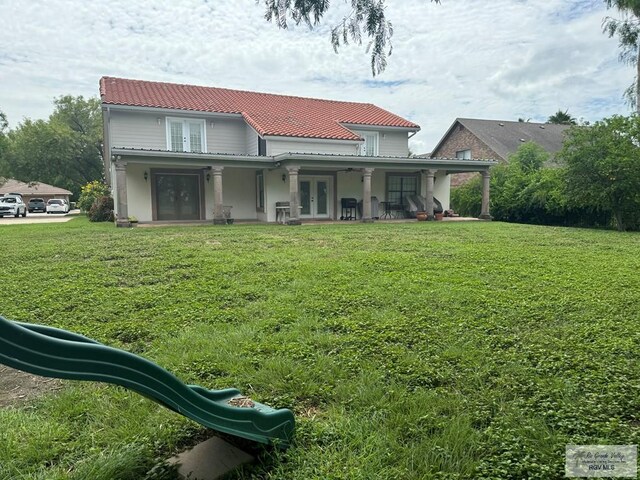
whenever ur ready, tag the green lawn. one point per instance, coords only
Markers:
(417, 350)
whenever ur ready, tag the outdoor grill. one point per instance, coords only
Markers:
(349, 208)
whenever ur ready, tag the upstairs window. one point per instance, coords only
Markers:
(369, 147)
(463, 154)
(186, 135)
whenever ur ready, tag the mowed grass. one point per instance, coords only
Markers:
(407, 351)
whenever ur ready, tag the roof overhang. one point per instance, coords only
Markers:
(394, 163)
(299, 160)
(358, 126)
(168, 111)
(163, 157)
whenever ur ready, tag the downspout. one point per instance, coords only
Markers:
(413, 135)
(106, 141)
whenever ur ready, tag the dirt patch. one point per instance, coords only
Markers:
(17, 387)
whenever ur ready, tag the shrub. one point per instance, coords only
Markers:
(102, 210)
(91, 192)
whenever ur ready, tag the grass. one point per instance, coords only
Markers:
(423, 350)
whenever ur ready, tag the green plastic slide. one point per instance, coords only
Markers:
(52, 352)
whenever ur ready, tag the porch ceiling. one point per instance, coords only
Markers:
(300, 160)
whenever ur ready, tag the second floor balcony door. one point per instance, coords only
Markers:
(316, 194)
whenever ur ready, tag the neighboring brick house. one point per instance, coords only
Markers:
(472, 138)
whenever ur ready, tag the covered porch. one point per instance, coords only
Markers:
(160, 186)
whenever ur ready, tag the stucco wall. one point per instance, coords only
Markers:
(139, 193)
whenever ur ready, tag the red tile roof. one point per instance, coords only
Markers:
(267, 113)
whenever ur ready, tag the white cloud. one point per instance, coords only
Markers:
(501, 59)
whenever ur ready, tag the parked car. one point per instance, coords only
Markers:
(55, 205)
(12, 205)
(36, 205)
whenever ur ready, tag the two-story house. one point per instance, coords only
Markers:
(183, 153)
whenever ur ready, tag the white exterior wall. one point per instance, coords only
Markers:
(238, 191)
(138, 130)
(149, 130)
(139, 193)
(393, 144)
(251, 141)
(276, 147)
(275, 191)
(226, 136)
(442, 189)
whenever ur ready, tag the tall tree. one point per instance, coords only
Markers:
(603, 167)
(366, 17)
(4, 147)
(628, 31)
(63, 150)
(562, 118)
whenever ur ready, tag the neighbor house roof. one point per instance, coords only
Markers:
(268, 114)
(504, 137)
(34, 188)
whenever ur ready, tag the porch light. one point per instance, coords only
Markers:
(208, 177)
(146, 175)
(284, 177)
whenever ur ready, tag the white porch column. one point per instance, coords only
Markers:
(218, 213)
(294, 197)
(366, 195)
(486, 185)
(122, 219)
(430, 177)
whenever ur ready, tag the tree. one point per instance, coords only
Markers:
(628, 31)
(603, 167)
(4, 148)
(63, 150)
(562, 118)
(521, 191)
(366, 17)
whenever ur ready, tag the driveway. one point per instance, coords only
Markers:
(39, 218)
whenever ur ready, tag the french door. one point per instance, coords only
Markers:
(177, 196)
(316, 196)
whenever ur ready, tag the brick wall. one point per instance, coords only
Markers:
(459, 139)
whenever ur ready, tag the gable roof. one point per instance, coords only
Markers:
(504, 137)
(34, 188)
(268, 114)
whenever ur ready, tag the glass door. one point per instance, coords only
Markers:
(177, 196)
(315, 196)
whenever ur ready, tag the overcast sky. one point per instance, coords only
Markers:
(499, 59)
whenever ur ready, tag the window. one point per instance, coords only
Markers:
(369, 147)
(262, 147)
(399, 186)
(463, 154)
(260, 191)
(186, 135)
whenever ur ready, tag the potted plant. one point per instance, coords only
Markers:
(421, 216)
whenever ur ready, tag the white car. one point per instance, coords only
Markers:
(12, 205)
(56, 205)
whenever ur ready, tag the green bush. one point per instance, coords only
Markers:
(467, 199)
(102, 210)
(524, 191)
(91, 192)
